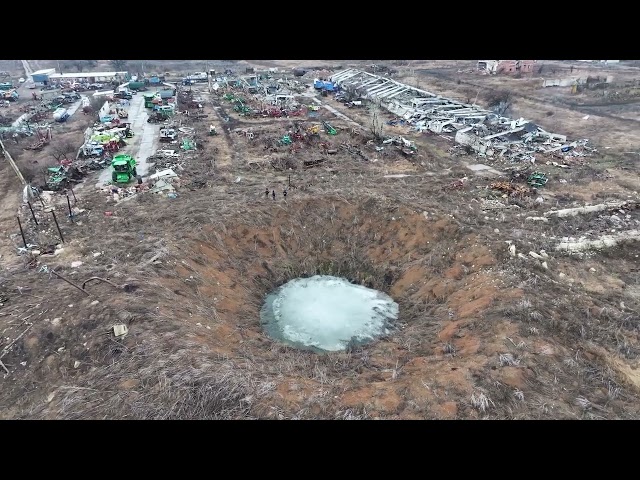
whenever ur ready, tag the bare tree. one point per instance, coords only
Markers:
(67, 65)
(62, 149)
(82, 64)
(118, 65)
(499, 100)
(95, 104)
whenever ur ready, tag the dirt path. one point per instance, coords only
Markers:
(145, 140)
(10, 201)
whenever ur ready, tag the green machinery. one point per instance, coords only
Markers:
(537, 180)
(285, 140)
(148, 100)
(241, 108)
(124, 168)
(329, 129)
(187, 144)
(56, 178)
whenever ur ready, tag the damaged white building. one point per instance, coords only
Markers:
(484, 131)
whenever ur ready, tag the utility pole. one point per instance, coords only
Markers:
(13, 164)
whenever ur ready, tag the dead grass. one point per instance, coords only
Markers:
(480, 334)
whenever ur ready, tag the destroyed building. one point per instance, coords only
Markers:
(506, 66)
(484, 131)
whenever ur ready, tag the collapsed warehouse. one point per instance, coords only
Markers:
(486, 132)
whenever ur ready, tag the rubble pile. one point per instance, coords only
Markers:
(483, 131)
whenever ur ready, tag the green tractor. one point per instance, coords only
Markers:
(124, 169)
(329, 129)
(537, 180)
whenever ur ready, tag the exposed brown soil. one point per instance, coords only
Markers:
(481, 334)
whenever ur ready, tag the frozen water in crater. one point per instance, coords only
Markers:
(326, 313)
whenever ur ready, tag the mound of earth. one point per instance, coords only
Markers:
(196, 349)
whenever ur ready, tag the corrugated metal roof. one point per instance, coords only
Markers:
(45, 71)
(86, 74)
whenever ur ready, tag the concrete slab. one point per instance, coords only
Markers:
(482, 169)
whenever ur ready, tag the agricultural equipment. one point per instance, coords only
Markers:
(124, 130)
(9, 95)
(285, 140)
(38, 145)
(112, 145)
(167, 134)
(314, 130)
(187, 144)
(148, 100)
(123, 95)
(56, 178)
(124, 168)
(158, 116)
(272, 112)
(241, 108)
(61, 177)
(92, 149)
(537, 180)
(329, 129)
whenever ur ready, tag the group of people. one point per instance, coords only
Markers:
(273, 193)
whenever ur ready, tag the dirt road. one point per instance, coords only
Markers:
(145, 141)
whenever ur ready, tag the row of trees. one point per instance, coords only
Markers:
(81, 65)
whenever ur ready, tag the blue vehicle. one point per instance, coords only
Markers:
(325, 85)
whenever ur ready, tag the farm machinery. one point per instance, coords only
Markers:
(537, 180)
(329, 129)
(124, 168)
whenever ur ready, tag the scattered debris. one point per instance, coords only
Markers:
(605, 241)
(570, 212)
(120, 330)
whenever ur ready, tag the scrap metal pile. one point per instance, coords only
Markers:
(485, 132)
